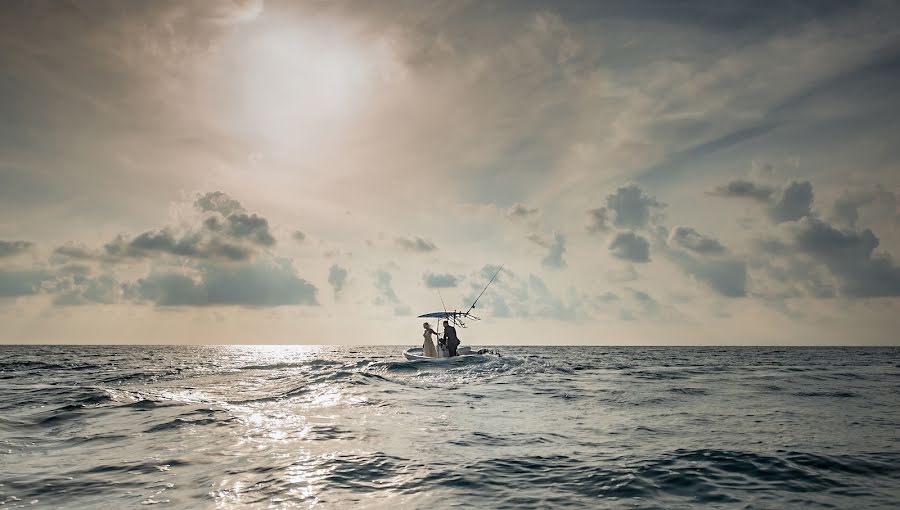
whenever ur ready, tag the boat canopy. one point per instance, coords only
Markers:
(439, 315)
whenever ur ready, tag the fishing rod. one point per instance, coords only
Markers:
(482, 291)
(445, 311)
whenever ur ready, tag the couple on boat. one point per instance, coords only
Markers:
(446, 346)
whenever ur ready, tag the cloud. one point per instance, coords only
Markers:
(744, 189)
(850, 256)
(80, 290)
(598, 220)
(171, 289)
(238, 225)
(298, 236)
(337, 277)
(706, 259)
(235, 237)
(11, 248)
(556, 250)
(649, 305)
(725, 275)
(632, 207)
(71, 251)
(263, 283)
(416, 244)
(23, 282)
(525, 297)
(385, 288)
(520, 212)
(630, 246)
(217, 201)
(690, 239)
(538, 239)
(386, 295)
(795, 202)
(440, 281)
(193, 245)
(251, 227)
(847, 206)
(544, 303)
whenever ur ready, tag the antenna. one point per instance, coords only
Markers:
(485, 288)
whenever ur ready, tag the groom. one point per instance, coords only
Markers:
(450, 338)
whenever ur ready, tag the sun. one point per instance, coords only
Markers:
(297, 82)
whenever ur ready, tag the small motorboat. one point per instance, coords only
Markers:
(457, 319)
(417, 354)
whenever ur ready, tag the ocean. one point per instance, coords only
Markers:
(540, 427)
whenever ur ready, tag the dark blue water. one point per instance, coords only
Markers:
(600, 427)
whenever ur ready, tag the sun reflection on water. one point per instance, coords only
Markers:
(287, 420)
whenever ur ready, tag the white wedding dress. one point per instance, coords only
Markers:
(428, 346)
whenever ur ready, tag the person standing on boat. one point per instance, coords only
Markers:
(428, 346)
(450, 338)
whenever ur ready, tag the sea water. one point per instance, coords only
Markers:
(302, 426)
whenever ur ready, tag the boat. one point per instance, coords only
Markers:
(458, 319)
(417, 354)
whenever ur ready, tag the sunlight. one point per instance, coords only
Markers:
(298, 81)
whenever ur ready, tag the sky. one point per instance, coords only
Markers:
(646, 173)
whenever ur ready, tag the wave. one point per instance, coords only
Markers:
(314, 363)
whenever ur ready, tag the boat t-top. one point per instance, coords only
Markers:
(457, 319)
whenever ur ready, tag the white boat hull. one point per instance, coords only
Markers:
(417, 354)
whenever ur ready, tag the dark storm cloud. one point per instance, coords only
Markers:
(850, 256)
(416, 244)
(795, 202)
(630, 246)
(440, 281)
(10, 248)
(632, 207)
(556, 250)
(690, 239)
(264, 283)
(744, 189)
(337, 277)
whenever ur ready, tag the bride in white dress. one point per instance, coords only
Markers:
(428, 348)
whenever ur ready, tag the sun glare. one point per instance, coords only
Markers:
(298, 83)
